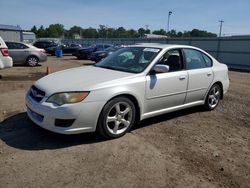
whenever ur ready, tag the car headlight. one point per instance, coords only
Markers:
(67, 97)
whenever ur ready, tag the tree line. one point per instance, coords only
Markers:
(58, 31)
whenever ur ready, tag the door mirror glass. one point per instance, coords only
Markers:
(161, 68)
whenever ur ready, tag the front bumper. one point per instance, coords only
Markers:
(44, 114)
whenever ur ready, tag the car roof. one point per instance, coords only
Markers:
(162, 46)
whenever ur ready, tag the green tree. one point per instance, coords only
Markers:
(147, 31)
(172, 33)
(34, 29)
(201, 33)
(179, 34)
(74, 30)
(160, 32)
(141, 32)
(132, 33)
(121, 32)
(41, 32)
(102, 31)
(55, 30)
(89, 33)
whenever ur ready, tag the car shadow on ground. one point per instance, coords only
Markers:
(168, 116)
(19, 132)
(25, 65)
(30, 77)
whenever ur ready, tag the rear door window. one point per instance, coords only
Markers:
(208, 60)
(194, 59)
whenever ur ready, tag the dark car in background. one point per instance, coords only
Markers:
(85, 53)
(99, 55)
(66, 48)
(45, 44)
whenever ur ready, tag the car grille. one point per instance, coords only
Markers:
(36, 94)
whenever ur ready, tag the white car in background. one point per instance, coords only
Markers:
(132, 84)
(5, 59)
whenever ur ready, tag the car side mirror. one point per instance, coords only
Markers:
(161, 68)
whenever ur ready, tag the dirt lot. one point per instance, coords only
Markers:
(190, 148)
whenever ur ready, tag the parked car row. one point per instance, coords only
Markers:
(85, 53)
(66, 48)
(94, 52)
(21, 53)
(99, 55)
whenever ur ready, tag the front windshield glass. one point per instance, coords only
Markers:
(130, 59)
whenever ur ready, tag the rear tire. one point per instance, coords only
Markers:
(32, 61)
(116, 118)
(213, 97)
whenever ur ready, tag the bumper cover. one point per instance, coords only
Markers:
(85, 114)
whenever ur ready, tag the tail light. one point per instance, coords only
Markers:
(4, 51)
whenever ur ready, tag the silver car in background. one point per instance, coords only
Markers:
(132, 84)
(22, 53)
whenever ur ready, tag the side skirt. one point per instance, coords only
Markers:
(171, 109)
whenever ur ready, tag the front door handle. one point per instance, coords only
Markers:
(182, 77)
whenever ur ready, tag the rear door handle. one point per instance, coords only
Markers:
(182, 77)
(209, 74)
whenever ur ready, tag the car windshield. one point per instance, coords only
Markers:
(130, 59)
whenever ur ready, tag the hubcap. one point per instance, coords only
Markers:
(32, 61)
(119, 118)
(214, 97)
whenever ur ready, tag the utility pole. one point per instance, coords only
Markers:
(221, 22)
(169, 14)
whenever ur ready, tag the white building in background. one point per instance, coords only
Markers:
(155, 36)
(11, 33)
(28, 37)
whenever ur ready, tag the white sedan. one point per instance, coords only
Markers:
(132, 84)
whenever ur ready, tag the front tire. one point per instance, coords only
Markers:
(32, 61)
(213, 97)
(116, 118)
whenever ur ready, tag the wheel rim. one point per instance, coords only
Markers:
(119, 118)
(214, 97)
(32, 61)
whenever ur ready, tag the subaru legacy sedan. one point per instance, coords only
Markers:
(132, 84)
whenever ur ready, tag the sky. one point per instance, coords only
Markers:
(131, 14)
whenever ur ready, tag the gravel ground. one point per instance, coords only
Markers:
(189, 148)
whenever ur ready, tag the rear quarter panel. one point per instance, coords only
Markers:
(221, 75)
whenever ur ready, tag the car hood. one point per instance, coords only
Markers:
(86, 49)
(99, 52)
(81, 79)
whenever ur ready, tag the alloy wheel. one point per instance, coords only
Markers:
(214, 97)
(119, 118)
(32, 61)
